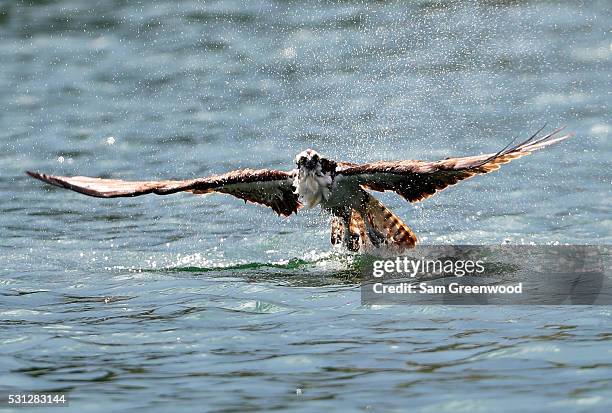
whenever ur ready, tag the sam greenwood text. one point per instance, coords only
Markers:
(452, 288)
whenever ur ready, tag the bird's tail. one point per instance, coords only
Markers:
(386, 228)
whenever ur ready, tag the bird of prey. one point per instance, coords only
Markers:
(359, 221)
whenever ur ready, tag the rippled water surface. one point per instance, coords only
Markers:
(203, 303)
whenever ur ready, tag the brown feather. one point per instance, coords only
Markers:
(417, 180)
(389, 226)
(263, 186)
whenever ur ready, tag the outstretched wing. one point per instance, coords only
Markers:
(262, 186)
(418, 180)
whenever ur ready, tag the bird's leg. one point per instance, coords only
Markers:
(337, 231)
(350, 238)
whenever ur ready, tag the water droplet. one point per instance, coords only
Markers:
(289, 53)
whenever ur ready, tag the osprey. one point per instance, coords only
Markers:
(359, 220)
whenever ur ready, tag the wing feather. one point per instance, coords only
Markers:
(267, 187)
(417, 180)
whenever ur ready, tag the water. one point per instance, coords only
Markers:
(207, 304)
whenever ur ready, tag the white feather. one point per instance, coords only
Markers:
(312, 186)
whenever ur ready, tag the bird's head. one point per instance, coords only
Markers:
(314, 177)
(308, 160)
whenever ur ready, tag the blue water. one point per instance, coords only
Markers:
(203, 303)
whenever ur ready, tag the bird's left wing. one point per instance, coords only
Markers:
(268, 187)
(418, 180)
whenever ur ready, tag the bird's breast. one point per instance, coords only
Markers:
(313, 188)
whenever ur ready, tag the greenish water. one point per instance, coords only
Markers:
(203, 303)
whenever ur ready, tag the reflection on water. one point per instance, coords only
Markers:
(185, 302)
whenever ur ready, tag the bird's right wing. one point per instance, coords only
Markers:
(267, 187)
(417, 180)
